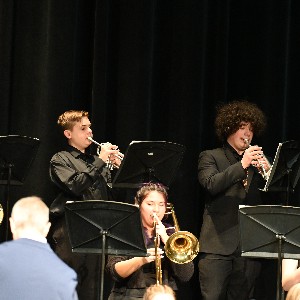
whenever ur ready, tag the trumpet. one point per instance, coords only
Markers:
(1, 214)
(109, 163)
(158, 270)
(262, 169)
(182, 246)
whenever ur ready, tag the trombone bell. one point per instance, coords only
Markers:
(182, 247)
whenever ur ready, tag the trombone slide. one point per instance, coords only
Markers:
(158, 270)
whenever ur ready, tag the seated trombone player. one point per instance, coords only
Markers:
(132, 275)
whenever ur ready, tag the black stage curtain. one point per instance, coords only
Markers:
(146, 70)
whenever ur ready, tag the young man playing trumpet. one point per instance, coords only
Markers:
(79, 176)
(231, 176)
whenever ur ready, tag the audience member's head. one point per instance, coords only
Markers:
(294, 292)
(29, 218)
(159, 292)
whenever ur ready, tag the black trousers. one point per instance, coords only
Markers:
(227, 277)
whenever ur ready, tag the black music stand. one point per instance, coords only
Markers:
(105, 227)
(16, 156)
(147, 161)
(285, 171)
(270, 232)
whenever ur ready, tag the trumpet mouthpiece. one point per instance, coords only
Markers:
(247, 142)
(98, 144)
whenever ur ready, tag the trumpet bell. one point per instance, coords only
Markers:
(182, 247)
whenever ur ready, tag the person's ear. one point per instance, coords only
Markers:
(12, 225)
(67, 133)
(46, 229)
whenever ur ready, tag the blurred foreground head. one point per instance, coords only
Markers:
(29, 217)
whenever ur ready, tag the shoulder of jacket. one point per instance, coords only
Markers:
(62, 154)
(213, 151)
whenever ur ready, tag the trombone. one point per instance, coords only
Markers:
(182, 246)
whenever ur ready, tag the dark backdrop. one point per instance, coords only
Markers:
(146, 70)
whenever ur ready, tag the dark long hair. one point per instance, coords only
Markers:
(148, 187)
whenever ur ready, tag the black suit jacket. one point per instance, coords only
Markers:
(221, 174)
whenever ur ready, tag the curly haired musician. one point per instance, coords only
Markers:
(230, 175)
